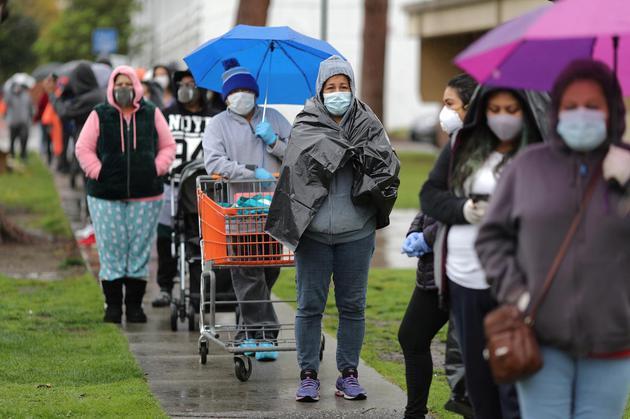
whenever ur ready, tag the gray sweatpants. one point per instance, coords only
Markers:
(256, 320)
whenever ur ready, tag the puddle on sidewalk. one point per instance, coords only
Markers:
(390, 239)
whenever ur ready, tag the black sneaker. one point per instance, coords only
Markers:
(162, 300)
(461, 406)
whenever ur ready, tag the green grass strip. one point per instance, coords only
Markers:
(33, 190)
(58, 357)
(414, 170)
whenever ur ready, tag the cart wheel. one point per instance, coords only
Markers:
(192, 326)
(242, 368)
(174, 317)
(203, 352)
(322, 347)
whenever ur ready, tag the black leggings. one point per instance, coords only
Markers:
(489, 400)
(167, 264)
(422, 320)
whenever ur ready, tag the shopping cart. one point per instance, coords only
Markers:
(232, 216)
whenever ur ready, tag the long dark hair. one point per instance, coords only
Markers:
(476, 141)
(465, 87)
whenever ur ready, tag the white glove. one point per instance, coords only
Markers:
(474, 211)
(617, 165)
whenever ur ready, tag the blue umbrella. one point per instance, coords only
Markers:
(284, 62)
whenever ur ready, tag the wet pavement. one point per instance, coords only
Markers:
(185, 388)
(390, 239)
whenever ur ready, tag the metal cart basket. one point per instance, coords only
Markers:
(232, 216)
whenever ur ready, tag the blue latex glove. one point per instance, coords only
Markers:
(265, 133)
(415, 245)
(263, 174)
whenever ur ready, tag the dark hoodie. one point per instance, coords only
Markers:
(438, 198)
(80, 96)
(437, 195)
(188, 127)
(587, 310)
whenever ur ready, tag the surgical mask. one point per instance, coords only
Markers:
(241, 103)
(124, 96)
(450, 120)
(582, 129)
(506, 127)
(337, 103)
(187, 94)
(162, 81)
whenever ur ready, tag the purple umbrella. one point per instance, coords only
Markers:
(530, 51)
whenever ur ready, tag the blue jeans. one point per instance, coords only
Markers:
(348, 264)
(575, 388)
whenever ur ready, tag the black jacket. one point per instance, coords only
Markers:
(318, 147)
(438, 198)
(80, 96)
(425, 278)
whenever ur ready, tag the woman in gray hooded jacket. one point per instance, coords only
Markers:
(583, 323)
(337, 185)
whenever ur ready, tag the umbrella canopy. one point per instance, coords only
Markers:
(44, 70)
(530, 51)
(19, 78)
(66, 68)
(102, 73)
(284, 62)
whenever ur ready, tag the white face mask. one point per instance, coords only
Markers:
(241, 103)
(162, 81)
(506, 127)
(450, 120)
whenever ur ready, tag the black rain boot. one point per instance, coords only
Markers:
(134, 292)
(113, 298)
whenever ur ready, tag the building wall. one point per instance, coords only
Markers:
(447, 28)
(174, 28)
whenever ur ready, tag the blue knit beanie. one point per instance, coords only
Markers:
(237, 77)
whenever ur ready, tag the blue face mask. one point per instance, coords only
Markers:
(582, 129)
(337, 103)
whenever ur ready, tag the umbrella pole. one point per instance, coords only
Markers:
(271, 48)
(613, 111)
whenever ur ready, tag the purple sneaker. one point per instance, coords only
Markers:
(348, 385)
(308, 391)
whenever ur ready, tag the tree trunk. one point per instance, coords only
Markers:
(10, 233)
(374, 45)
(252, 12)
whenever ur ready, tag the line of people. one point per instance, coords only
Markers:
(494, 210)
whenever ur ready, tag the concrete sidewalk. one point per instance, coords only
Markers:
(186, 388)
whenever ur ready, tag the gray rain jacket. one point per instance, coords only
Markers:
(354, 156)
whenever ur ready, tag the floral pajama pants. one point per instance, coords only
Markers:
(125, 231)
